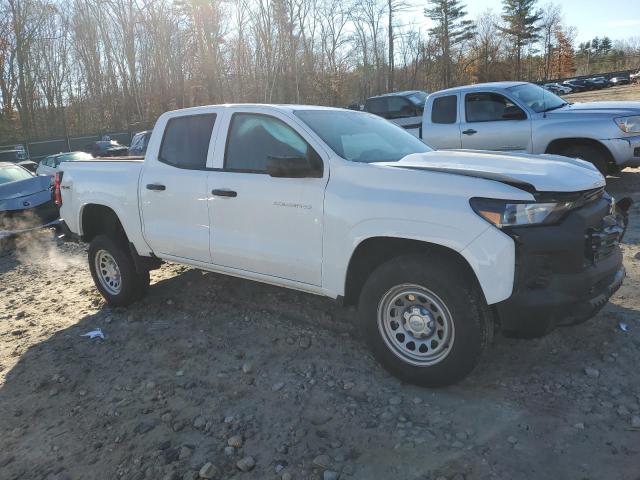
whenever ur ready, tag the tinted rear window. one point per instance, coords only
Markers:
(444, 109)
(186, 141)
(377, 106)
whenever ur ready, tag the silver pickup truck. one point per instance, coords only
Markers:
(523, 117)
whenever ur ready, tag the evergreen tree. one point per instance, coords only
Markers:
(521, 19)
(450, 30)
(605, 45)
(595, 45)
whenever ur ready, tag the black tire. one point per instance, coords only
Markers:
(589, 154)
(450, 282)
(132, 285)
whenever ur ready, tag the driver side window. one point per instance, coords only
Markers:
(254, 138)
(491, 107)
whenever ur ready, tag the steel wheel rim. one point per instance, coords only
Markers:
(416, 325)
(108, 272)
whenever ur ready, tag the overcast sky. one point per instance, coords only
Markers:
(618, 19)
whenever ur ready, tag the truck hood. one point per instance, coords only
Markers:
(532, 173)
(612, 109)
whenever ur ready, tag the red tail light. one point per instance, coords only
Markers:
(57, 195)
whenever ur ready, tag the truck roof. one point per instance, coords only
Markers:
(281, 107)
(397, 94)
(481, 86)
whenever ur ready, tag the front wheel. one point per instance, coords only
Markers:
(424, 320)
(114, 272)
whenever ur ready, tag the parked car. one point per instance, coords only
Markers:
(139, 143)
(26, 201)
(576, 87)
(557, 88)
(599, 82)
(523, 117)
(619, 80)
(19, 157)
(49, 165)
(402, 108)
(430, 245)
(634, 77)
(586, 84)
(106, 148)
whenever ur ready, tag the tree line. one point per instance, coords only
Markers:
(76, 66)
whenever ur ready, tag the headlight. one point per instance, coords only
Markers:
(628, 124)
(511, 213)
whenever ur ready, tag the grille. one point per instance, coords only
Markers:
(578, 199)
(602, 242)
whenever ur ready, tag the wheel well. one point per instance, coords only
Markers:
(556, 146)
(375, 251)
(97, 220)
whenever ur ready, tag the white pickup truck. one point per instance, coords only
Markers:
(523, 117)
(434, 247)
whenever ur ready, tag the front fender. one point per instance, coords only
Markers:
(489, 252)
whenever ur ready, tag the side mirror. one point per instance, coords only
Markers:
(293, 167)
(513, 113)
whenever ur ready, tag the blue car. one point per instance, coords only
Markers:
(26, 201)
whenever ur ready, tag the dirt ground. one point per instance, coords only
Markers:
(621, 93)
(213, 370)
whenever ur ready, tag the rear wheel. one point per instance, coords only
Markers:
(114, 273)
(589, 154)
(423, 319)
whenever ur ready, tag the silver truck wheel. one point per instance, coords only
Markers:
(424, 318)
(114, 273)
(416, 325)
(108, 272)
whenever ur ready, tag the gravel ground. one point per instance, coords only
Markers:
(216, 377)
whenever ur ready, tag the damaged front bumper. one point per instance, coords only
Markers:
(565, 273)
(625, 150)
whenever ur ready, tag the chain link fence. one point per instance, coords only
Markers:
(37, 150)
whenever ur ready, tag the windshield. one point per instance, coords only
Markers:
(361, 137)
(13, 174)
(536, 98)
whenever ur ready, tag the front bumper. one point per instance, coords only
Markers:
(625, 150)
(564, 273)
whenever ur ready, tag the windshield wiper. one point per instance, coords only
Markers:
(555, 107)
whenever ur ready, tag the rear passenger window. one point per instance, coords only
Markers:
(398, 107)
(445, 109)
(253, 138)
(186, 141)
(377, 106)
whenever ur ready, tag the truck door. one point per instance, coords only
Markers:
(261, 224)
(441, 129)
(494, 122)
(173, 189)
